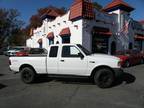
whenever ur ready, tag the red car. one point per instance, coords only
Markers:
(22, 53)
(129, 57)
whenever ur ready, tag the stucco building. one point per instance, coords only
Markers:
(107, 31)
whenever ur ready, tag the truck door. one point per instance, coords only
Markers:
(52, 60)
(70, 61)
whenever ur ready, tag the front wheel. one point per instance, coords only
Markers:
(104, 78)
(27, 75)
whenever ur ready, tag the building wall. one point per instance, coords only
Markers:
(56, 26)
(81, 30)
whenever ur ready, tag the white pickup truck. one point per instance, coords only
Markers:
(68, 60)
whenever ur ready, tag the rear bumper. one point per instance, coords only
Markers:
(118, 72)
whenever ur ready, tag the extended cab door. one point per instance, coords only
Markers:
(52, 60)
(70, 61)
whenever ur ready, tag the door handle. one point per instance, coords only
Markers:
(91, 61)
(62, 60)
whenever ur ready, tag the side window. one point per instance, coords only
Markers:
(53, 51)
(70, 51)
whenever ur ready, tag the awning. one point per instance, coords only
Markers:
(105, 33)
(40, 41)
(50, 35)
(65, 32)
(139, 37)
(100, 29)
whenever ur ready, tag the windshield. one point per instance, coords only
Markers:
(84, 49)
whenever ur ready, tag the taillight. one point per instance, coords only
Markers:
(9, 62)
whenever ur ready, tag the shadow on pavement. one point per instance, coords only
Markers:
(66, 80)
(2, 86)
(81, 81)
(127, 77)
(1, 74)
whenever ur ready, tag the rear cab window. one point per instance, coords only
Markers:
(53, 51)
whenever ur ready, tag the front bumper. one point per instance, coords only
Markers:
(118, 72)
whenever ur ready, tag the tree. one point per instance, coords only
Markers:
(36, 21)
(9, 22)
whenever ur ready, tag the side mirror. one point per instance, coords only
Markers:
(81, 55)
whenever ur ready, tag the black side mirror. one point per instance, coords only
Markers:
(81, 55)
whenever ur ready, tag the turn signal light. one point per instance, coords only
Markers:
(119, 63)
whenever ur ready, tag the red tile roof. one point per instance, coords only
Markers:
(54, 12)
(77, 1)
(81, 9)
(50, 35)
(65, 32)
(139, 37)
(116, 3)
(142, 21)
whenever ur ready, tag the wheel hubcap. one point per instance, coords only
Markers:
(27, 76)
(104, 78)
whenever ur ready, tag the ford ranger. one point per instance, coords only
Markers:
(68, 60)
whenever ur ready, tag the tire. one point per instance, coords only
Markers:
(127, 64)
(104, 78)
(28, 75)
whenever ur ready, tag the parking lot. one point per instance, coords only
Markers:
(70, 92)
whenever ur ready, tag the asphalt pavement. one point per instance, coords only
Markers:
(70, 92)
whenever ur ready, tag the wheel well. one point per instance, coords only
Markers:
(98, 68)
(26, 65)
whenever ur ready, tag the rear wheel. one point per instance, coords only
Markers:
(27, 75)
(104, 78)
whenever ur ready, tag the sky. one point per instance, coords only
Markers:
(27, 8)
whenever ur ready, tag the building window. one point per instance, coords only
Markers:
(100, 44)
(51, 41)
(66, 39)
(113, 48)
(130, 45)
(138, 45)
(40, 45)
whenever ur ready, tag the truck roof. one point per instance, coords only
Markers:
(62, 44)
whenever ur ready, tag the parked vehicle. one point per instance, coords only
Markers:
(129, 57)
(13, 50)
(68, 60)
(31, 51)
(3, 50)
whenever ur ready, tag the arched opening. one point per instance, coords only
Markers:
(113, 48)
(65, 35)
(65, 39)
(50, 37)
(51, 41)
(40, 42)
